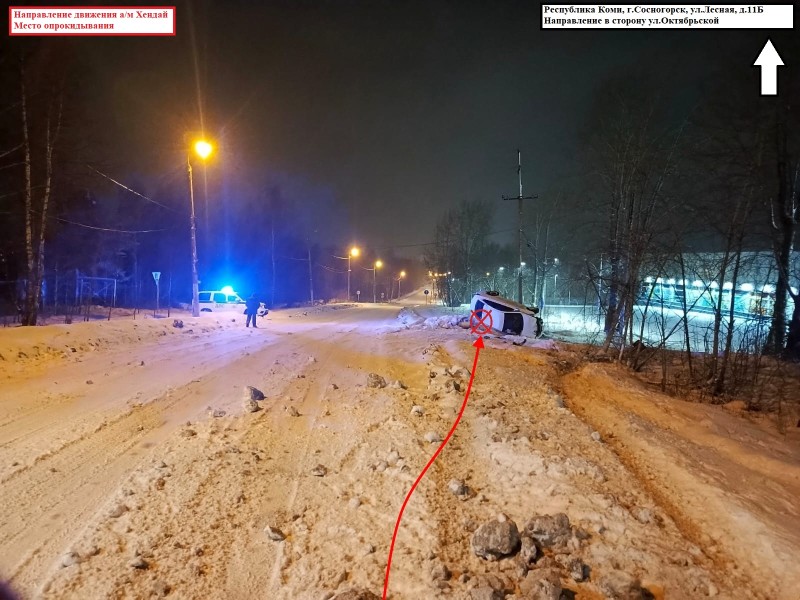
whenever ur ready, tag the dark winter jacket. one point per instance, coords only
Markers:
(252, 305)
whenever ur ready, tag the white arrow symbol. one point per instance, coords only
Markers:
(769, 60)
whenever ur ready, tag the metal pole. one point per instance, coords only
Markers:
(195, 283)
(519, 231)
(348, 276)
(519, 200)
(310, 273)
(374, 296)
(555, 286)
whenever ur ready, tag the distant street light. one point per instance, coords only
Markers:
(203, 149)
(353, 253)
(378, 265)
(555, 280)
(402, 274)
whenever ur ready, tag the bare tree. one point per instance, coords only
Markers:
(460, 237)
(634, 158)
(784, 220)
(44, 124)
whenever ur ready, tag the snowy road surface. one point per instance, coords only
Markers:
(117, 480)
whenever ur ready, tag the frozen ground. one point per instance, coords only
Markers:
(131, 466)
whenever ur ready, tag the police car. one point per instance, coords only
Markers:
(224, 300)
(507, 316)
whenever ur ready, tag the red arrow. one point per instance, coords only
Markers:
(478, 346)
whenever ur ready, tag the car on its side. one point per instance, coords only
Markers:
(224, 300)
(507, 316)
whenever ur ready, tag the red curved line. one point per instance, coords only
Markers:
(421, 475)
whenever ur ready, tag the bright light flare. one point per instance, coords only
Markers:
(378, 264)
(402, 273)
(354, 251)
(227, 290)
(203, 149)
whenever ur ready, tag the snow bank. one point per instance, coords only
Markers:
(411, 318)
(446, 322)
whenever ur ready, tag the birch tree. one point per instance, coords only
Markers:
(40, 113)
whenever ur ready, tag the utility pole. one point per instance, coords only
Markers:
(519, 200)
(310, 271)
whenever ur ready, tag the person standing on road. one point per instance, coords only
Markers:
(251, 311)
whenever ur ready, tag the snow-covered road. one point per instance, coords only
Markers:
(71, 430)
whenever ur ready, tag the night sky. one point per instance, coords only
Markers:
(388, 111)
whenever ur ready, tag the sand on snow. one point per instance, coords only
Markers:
(117, 480)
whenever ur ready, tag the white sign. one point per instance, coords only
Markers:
(672, 16)
(156, 276)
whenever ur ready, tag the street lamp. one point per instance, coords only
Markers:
(402, 274)
(378, 265)
(203, 149)
(354, 252)
(555, 280)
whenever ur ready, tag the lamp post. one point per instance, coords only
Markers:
(402, 274)
(203, 150)
(555, 280)
(378, 265)
(354, 252)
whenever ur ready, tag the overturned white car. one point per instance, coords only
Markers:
(507, 316)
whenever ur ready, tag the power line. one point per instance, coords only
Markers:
(292, 258)
(327, 268)
(108, 228)
(125, 187)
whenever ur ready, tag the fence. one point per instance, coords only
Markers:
(67, 293)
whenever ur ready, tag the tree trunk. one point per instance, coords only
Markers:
(784, 224)
(31, 305)
(792, 351)
(34, 235)
(719, 383)
(685, 308)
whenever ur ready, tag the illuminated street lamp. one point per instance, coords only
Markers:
(354, 252)
(555, 280)
(378, 265)
(402, 274)
(203, 149)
